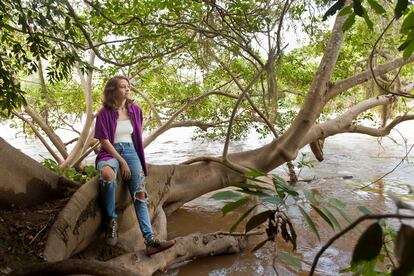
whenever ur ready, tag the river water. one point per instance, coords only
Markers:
(361, 157)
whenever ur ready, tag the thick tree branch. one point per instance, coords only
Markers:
(286, 147)
(343, 123)
(150, 103)
(40, 136)
(344, 85)
(54, 138)
(189, 103)
(186, 248)
(82, 142)
(380, 132)
(73, 266)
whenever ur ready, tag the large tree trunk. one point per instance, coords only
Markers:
(169, 187)
(24, 182)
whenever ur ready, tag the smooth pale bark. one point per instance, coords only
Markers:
(53, 137)
(138, 263)
(83, 137)
(344, 85)
(168, 187)
(78, 225)
(74, 267)
(343, 123)
(40, 137)
(186, 248)
(25, 183)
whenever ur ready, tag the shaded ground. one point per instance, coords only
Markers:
(23, 233)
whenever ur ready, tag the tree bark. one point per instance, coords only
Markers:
(25, 183)
(138, 263)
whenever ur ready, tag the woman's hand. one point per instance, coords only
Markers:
(125, 171)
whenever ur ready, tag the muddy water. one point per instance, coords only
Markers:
(362, 157)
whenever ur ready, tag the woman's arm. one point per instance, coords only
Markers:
(109, 148)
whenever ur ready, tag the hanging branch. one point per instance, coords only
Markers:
(371, 56)
(233, 114)
(235, 79)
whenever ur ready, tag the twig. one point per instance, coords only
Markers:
(274, 255)
(41, 230)
(375, 181)
(251, 233)
(371, 56)
(388, 254)
(350, 227)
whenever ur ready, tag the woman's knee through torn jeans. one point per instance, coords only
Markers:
(135, 186)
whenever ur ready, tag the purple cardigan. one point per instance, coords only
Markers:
(105, 128)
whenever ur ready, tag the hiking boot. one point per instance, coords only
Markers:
(155, 245)
(111, 234)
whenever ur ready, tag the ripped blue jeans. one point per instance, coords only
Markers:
(135, 185)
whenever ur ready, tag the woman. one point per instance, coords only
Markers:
(119, 129)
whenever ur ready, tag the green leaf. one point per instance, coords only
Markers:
(258, 219)
(337, 203)
(332, 10)
(277, 180)
(309, 221)
(364, 210)
(368, 21)
(343, 214)
(309, 196)
(404, 45)
(260, 244)
(282, 186)
(345, 11)
(234, 205)
(322, 215)
(358, 9)
(404, 250)
(400, 8)
(226, 195)
(255, 193)
(408, 50)
(241, 218)
(369, 244)
(250, 186)
(376, 7)
(253, 179)
(254, 173)
(348, 22)
(290, 260)
(408, 22)
(331, 217)
(273, 200)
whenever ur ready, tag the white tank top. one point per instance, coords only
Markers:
(123, 132)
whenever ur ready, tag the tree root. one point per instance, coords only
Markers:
(186, 248)
(138, 263)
